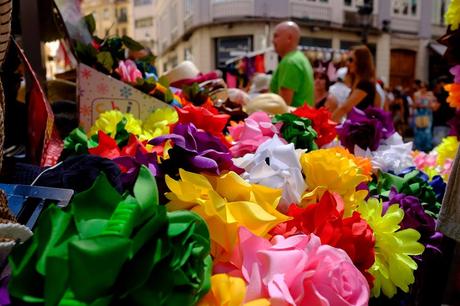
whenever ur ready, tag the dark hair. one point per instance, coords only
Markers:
(322, 73)
(364, 64)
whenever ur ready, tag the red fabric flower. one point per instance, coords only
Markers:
(325, 219)
(107, 147)
(202, 118)
(322, 123)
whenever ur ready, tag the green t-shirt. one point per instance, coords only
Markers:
(294, 72)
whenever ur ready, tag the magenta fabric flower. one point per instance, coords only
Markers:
(297, 270)
(249, 135)
(128, 72)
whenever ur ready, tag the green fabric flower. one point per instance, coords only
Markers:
(297, 130)
(106, 248)
(412, 183)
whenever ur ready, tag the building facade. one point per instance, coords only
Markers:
(144, 24)
(401, 33)
(113, 17)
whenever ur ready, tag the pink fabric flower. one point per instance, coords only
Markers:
(128, 72)
(297, 270)
(249, 135)
(455, 71)
(423, 160)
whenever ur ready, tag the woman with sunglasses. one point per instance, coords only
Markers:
(362, 76)
(322, 96)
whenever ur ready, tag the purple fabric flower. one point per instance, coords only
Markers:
(454, 124)
(195, 150)
(130, 166)
(416, 218)
(455, 71)
(360, 130)
(4, 295)
(384, 117)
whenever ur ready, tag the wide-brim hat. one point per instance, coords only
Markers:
(267, 102)
(186, 73)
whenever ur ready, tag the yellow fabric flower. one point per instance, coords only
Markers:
(107, 122)
(453, 14)
(228, 291)
(393, 266)
(363, 163)
(447, 149)
(157, 123)
(225, 203)
(329, 169)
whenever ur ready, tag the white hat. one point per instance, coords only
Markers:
(260, 82)
(185, 70)
(268, 102)
(342, 73)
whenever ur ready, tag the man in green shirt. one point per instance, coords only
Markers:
(293, 78)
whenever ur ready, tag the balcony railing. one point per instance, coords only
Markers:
(122, 18)
(354, 19)
(310, 10)
(237, 8)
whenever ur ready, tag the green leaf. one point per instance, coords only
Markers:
(131, 44)
(90, 23)
(106, 60)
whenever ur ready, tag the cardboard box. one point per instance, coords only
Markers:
(98, 92)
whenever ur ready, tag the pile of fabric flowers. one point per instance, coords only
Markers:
(285, 210)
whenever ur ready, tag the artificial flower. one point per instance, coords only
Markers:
(328, 169)
(454, 94)
(322, 123)
(447, 149)
(297, 130)
(228, 291)
(276, 165)
(409, 182)
(255, 130)
(76, 143)
(365, 129)
(325, 219)
(393, 155)
(297, 270)
(423, 161)
(452, 15)
(393, 267)
(233, 109)
(364, 163)
(109, 120)
(416, 218)
(107, 248)
(158, 123)
(226, 203)
(128, 72)
(205, 120)
(196, 151)
(454, 125)
(455, 71)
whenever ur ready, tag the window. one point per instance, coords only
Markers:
(173, 15)
(188, 54)
(439, 9)
(122, 15)
(229, 47)
(406, 8)
(106, 14)
(142, 2)
(316, 42)
(188, 4)
(144, 22)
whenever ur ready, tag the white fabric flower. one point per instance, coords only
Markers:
(276, 165)
(392, 155)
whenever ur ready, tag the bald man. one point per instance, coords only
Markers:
(293, 78)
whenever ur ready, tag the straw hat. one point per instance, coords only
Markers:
(268, 102)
